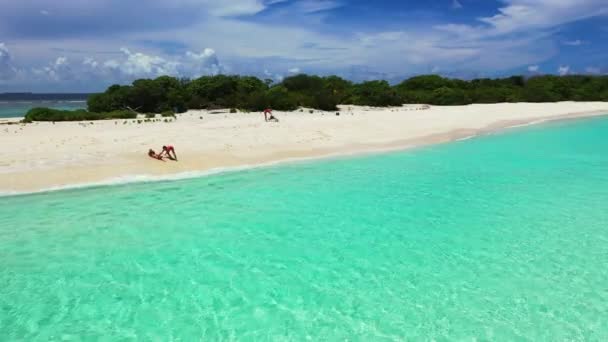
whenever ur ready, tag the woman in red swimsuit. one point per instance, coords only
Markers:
(268, 115)
(168, 150)
(267, 112)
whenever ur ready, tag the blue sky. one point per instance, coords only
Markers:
(76, 45)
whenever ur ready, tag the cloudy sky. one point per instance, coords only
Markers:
(86, 45)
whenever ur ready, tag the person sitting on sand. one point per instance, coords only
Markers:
(268, 115)
(168, 150)
(153, 154)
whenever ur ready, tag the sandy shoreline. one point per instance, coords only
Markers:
(44, 156)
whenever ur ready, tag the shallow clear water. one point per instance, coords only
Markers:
(502, 237)
(15, 109)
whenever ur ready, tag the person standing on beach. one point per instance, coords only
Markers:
(268, 115)
(168, 150)
(267, 112)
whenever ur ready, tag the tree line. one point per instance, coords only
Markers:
(249, 93)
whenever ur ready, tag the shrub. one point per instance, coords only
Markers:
(119, 114)
(167, 114)
(49, 114)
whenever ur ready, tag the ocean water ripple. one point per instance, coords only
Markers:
(500, 237)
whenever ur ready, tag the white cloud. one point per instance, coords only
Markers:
(533, 68)
(88, 61)
(528, 18)
(563, 70)
(577, 42)
(140, 64)
(593, 70)
(61, 68)
(294, 70)
(204, 63)
(45, 12)
(225, 8)
(416, 50)
(61, 61)
(523, 15)
(111, 64)
(206, 54)
(131, 65)
(520, 34)
(275, 77)
(58, 70)
(213, 7)
(261, 45)
(314, 6)
(7, 70)
(234, 8)
(456, 4)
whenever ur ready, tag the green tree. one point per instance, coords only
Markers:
(540, 89)
(218, 91)
(117, 97)
(425, 82)
(374, 93)
(280, 98)
(338, 87)
(449, 97)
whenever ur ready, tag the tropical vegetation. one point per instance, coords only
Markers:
(169, 94)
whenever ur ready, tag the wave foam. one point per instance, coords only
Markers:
(147, 178)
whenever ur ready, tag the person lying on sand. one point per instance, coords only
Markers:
(168, 150)
(268, 115)
(153, 154)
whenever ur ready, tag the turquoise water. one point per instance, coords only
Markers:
(13, 109)
(499, 238)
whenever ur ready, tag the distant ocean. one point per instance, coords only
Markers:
(498, 238)
(17, 104)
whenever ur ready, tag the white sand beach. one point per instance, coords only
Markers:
(44, 155)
